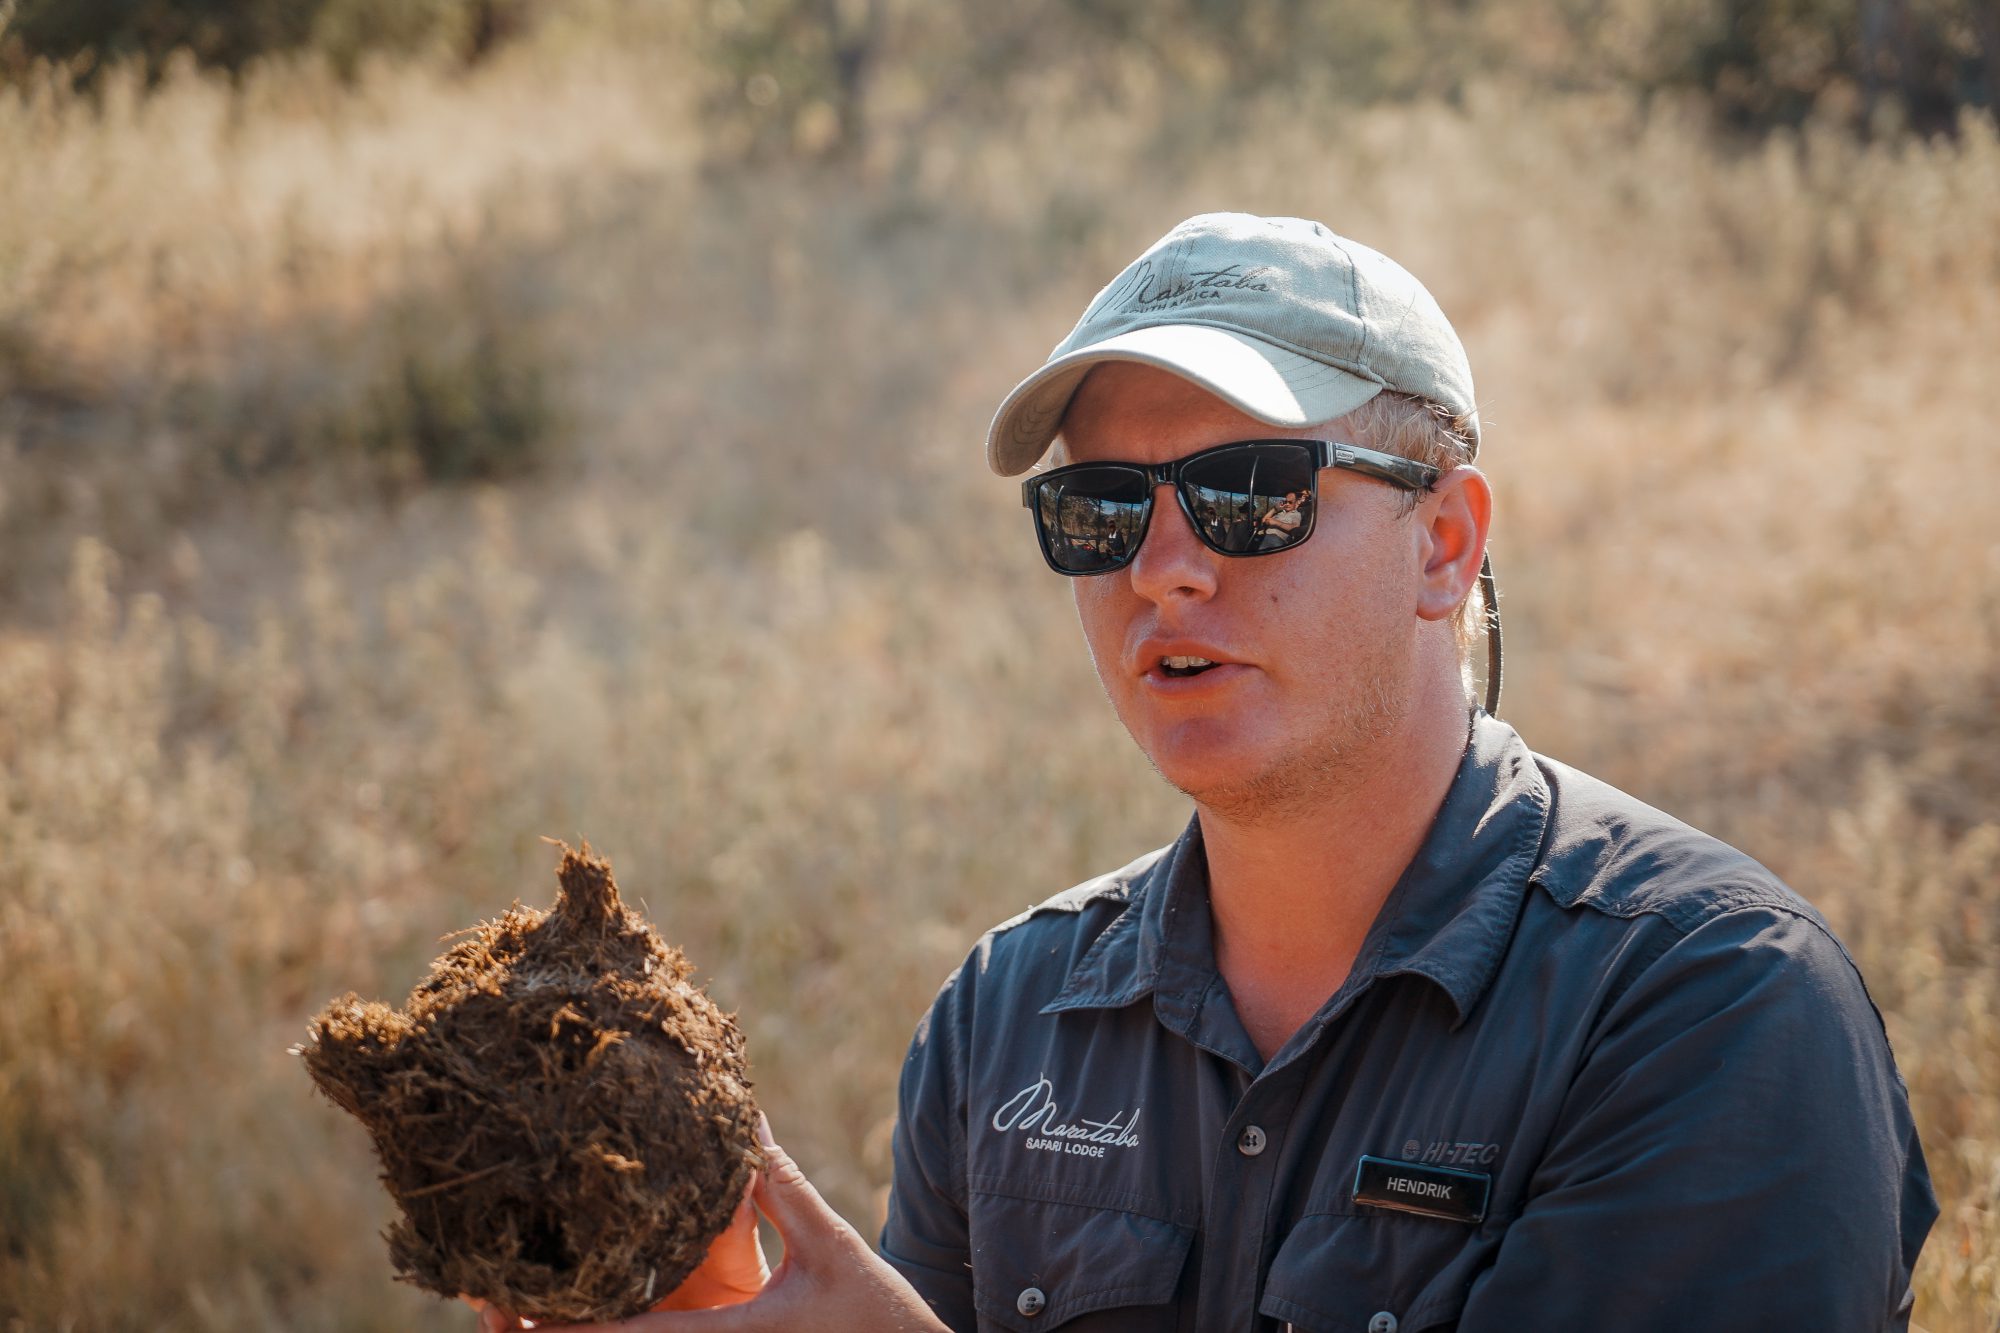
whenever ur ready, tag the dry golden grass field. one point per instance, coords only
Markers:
(393, 473)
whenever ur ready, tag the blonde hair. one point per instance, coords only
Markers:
(1428, 432)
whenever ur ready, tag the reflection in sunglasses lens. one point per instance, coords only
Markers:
(1253, 498)
(1093, 519)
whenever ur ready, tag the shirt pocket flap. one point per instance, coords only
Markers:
(1037, 1263)
(1338, 1273)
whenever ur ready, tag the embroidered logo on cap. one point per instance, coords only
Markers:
(1412, 1187)
(1148, 287)
(1150, 291)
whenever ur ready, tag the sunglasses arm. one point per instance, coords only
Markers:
(1404, 472)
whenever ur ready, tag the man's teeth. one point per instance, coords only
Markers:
(1185, 663)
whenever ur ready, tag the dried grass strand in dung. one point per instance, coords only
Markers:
(563, 1117)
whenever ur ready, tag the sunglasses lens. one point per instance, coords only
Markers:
(1092, 518)
(1252, 497)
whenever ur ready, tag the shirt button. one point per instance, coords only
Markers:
(1383, 1322)
(1031, 1302)
(1251, 1141)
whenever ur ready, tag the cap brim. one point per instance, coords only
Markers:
(1275, 385)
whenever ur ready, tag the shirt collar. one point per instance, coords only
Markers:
(1448, 920)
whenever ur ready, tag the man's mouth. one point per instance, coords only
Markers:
(1184, 666)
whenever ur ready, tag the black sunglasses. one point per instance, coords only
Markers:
(1251, 497)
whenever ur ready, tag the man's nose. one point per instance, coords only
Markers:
(1172, 563)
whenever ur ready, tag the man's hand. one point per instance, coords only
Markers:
(828, 1280)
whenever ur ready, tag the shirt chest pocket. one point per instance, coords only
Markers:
(1043, 1264)
(1386, 1273)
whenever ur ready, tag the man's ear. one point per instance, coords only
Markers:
(1456, 516)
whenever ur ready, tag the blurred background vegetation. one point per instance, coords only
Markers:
(428, 425)
(821, 74)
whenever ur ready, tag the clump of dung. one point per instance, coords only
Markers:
(563, 1117)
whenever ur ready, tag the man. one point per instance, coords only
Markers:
(1280, 526)
(1412, 1028)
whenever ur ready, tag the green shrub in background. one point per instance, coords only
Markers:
(1775, 62)
(813, 77)
(461, 392)
(451, 378)
(91, 34)
(450, 375)
(96, 33)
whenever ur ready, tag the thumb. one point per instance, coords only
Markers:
(804, 1220)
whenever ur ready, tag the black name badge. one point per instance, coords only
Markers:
(1433, 1191)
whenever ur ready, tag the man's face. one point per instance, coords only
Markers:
(1317, 645)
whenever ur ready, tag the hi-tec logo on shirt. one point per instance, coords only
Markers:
(1032, 1111)
(1451, 1152)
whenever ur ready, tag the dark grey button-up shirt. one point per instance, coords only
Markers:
(1626, 1079)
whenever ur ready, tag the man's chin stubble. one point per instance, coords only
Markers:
(1298, 784)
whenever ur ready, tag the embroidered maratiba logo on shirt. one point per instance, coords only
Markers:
(1033, 1111)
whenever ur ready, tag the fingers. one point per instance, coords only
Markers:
(802, 1217)
(495, 1320)
(738, 1254)
(733, 1270)
(491, 1318)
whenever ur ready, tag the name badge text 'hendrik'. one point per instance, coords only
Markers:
(1411, 1187)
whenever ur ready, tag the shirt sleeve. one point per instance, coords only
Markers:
(1736, 1153)
(925, 1236)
